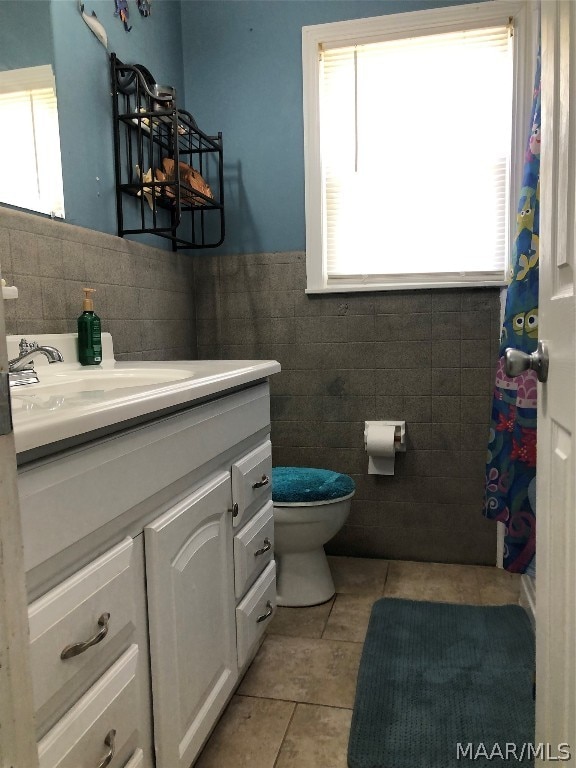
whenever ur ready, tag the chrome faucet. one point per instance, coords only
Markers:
(28, 350)
(21, 368)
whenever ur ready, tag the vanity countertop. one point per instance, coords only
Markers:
(73, 404)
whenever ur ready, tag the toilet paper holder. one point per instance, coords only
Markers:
(379, 447)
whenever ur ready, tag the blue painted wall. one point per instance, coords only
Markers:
(25, 34)
(84, 102)
(243, 76)
(236, 65)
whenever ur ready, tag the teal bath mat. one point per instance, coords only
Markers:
(434, 676)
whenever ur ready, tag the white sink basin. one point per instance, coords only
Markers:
(71, 402)
(99, 380)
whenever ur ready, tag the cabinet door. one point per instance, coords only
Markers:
(190, 578)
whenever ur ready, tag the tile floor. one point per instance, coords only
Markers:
(294, 706)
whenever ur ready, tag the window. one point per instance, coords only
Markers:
(408, 136)
(30, 139)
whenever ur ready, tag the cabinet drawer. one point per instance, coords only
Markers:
(75, 614)
(253, 548)
(105, 718)
(251, 481)
(253, 614)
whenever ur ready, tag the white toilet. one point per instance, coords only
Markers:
(303, 522)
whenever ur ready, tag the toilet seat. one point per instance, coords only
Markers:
(307, 485)
(304, 504)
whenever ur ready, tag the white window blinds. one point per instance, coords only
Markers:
(31, 164)
(415, 138)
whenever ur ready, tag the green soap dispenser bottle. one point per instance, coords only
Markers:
(89, 332)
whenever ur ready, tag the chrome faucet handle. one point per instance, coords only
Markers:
(26, 346)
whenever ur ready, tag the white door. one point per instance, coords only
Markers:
(190, 577)
(17, 740)
(556, 522)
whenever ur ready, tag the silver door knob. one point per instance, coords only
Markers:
(516, 362)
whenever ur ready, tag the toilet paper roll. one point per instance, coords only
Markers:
(379, 440)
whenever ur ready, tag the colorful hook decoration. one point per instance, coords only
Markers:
(145, 7)
(122, 11)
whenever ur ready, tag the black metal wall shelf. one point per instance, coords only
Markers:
(164, 161)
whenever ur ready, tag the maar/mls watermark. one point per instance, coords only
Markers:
(511, 751)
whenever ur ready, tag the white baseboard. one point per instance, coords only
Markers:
(528, 597)
(500, 532)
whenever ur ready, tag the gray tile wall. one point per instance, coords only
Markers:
(423, 356)
(144, 295)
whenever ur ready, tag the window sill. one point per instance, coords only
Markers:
(406, 286)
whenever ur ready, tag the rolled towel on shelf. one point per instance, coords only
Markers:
(190, 179)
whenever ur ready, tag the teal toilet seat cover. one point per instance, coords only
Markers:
(292, 485)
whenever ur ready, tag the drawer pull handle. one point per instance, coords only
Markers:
(265, 548)
(269, 612)
(109, 741)
(261, 483)
(76, 648)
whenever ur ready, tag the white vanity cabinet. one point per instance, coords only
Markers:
(152, 550)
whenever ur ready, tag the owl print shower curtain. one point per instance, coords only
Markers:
(510, 490)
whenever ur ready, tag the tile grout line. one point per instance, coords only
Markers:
(292, 701)
(329, 614)
(284, 736)
(319, 639)
(385, 580)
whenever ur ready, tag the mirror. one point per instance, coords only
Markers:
(42, 32)
(32, 169)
